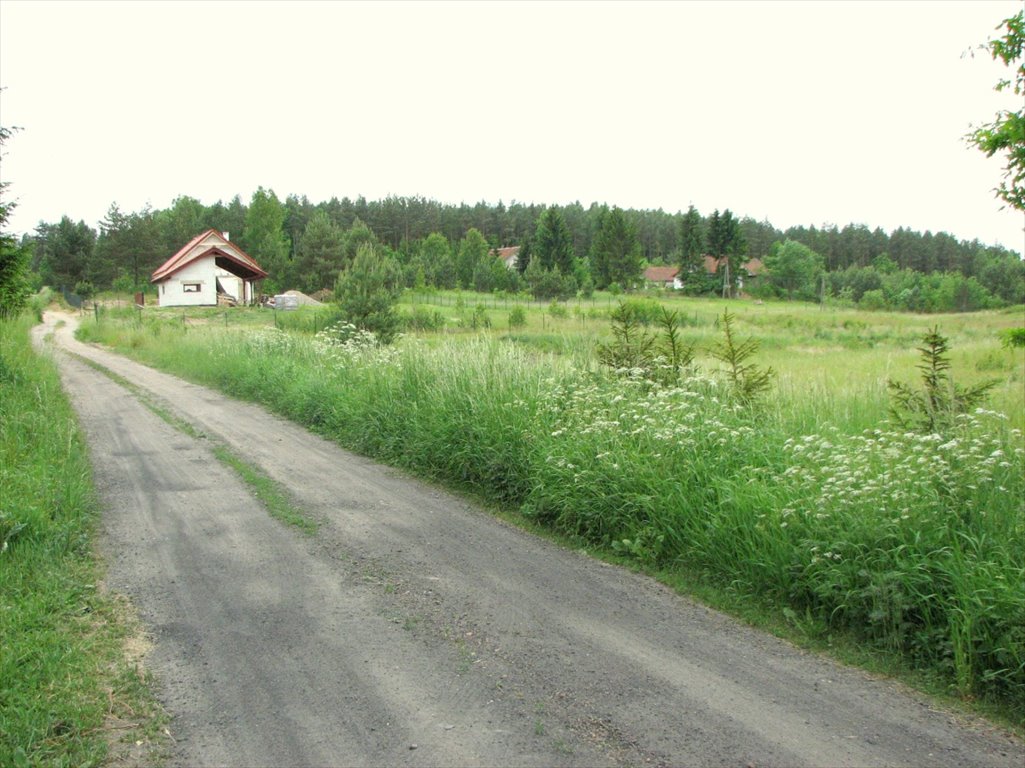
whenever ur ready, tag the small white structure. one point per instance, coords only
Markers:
(206, 269)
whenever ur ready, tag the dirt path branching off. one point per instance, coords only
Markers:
(414, 629)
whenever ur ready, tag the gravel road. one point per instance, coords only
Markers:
(415, 629)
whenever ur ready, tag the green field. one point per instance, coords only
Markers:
(806, 504)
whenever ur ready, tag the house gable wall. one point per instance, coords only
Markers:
(173, 291)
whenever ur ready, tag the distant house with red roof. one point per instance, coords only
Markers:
(509, 255)
(669, 277)
(663, 277)
(207, 268)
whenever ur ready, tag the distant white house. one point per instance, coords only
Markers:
(509, 255)
(664, 277)
(208, 269)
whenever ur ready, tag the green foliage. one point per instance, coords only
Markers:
(1006, 134)
(935, 407)
(14, 258)
(424, 319)
(321, 253)
(440, 268)
(14, 286)
(264, 239)
(632, 348)
(691, 244)
(64, 251)
(794, 269)
(368, 291)
(724, 237)
(548, 283)
(552, 244)
(480, 318)
(517, 317)
(615, 251)
(555, 309)
(747, 380)
(1013, 337)
(473, 250)
(185, 219)
(420, 231)
(635, 352)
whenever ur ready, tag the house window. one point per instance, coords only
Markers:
(191, 287)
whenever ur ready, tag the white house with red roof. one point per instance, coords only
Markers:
(208, 267)
(664, 277)
(509, 255)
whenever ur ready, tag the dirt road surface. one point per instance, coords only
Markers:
(414, 629)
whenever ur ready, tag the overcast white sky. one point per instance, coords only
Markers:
(801, 113)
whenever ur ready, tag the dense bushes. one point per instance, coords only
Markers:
(907, 290)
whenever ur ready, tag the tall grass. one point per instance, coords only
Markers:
(912, 543)
(61, 669)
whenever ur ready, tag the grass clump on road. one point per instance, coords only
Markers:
(810, 499)
(62, 670)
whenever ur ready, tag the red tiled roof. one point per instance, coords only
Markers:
(661, 274)
(210, 242)
(752, 267)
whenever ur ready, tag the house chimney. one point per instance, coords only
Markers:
(226, 235)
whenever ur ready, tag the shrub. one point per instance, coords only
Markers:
(1013, 337)
(480, 318)
(424, 319)
(517, 318)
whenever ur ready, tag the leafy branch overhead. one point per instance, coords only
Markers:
(1006, 134)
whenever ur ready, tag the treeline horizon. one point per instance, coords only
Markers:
(129, 246)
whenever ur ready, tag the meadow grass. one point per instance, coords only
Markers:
(808, 500)
(62, 669)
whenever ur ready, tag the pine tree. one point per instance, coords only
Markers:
(615, 252)
(692, 243)
(552, 245)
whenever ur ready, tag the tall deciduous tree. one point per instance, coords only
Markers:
(552, 245)
(615, 251)
(185, 219)
(1006, 134)
(473, 250)
(264, 239)
(793, 268)
(439, 267)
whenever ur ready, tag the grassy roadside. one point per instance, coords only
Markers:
(899, 546)
(68, 693)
